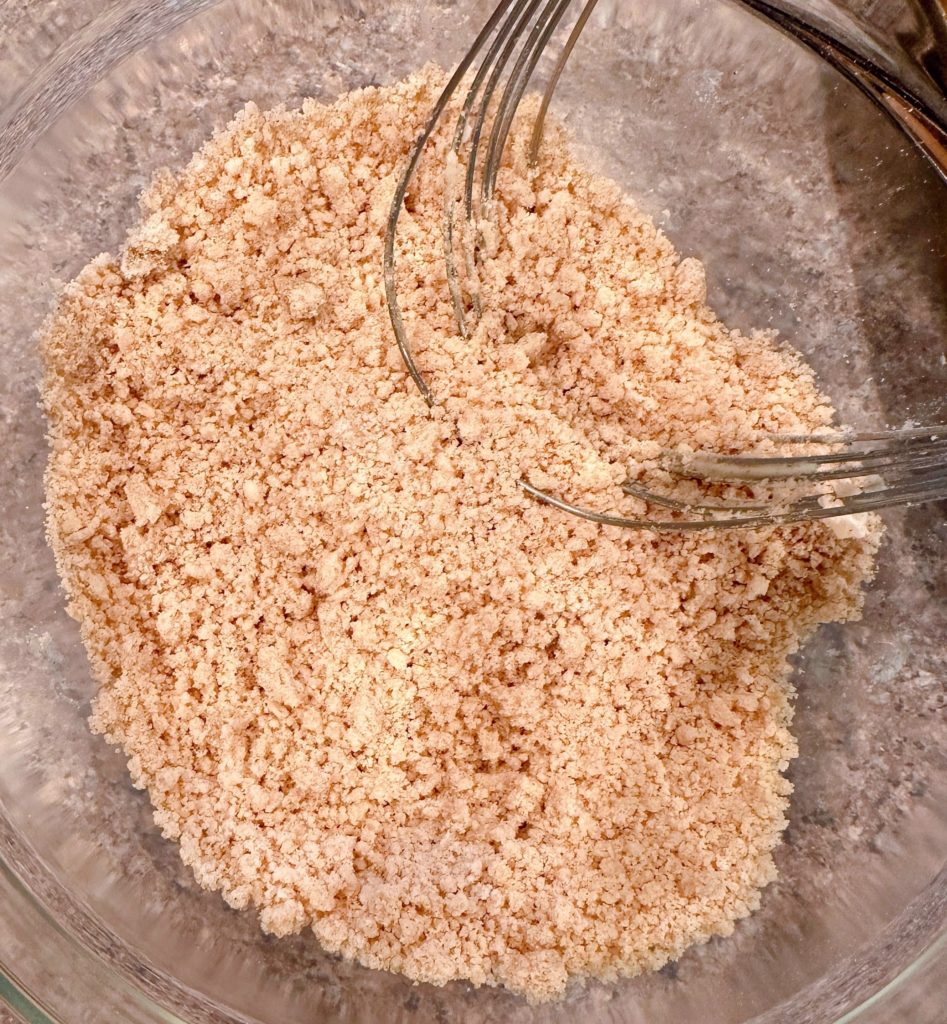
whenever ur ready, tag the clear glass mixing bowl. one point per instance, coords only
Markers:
(815, 214)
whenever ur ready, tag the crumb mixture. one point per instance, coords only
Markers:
(373, 688)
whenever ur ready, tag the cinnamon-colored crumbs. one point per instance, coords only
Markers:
(371, 686)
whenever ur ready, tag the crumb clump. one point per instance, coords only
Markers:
(372, 687)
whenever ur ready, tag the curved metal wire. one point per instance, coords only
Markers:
(505, 41)
(414, 158)
(932, 489)
(522, 72)
(903, 467)
(495, 62)
(540, 123)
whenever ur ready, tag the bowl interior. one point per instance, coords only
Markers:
(814, 216)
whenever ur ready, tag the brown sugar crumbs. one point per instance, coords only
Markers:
(372, 687)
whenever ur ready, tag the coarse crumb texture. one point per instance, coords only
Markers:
(370, 685)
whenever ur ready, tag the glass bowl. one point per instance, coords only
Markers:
(816, 213)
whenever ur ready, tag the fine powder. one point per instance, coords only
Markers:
(372, 687)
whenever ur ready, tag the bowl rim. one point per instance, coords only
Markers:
(90, 939)
(122, 30)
